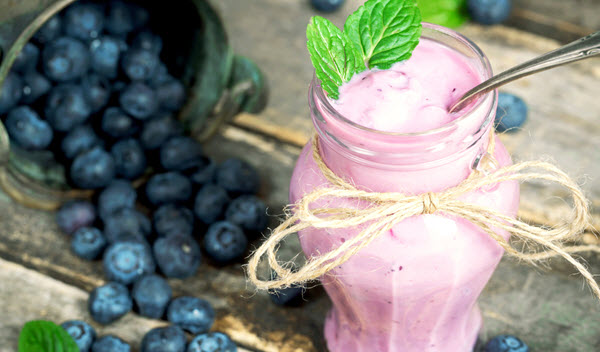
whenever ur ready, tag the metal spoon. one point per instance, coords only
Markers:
(580, 49)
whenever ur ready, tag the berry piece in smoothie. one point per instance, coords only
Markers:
(130, 159)
(27, 59)
(151, 294)
(11, 92)
(489, 11)
(79, 140)
(506, 343)
(35, 85)
(126, 261)
(110, 343)
(511, 113)
(82, 333)
(109, 302)
(88, 243)
(212, 342)
(67, 107)
(93, 169)
(75, 214)
(65, 59)
(210, 203)
(177, 255)
(327, 5)
(118, 195)
(237, 177)
(225, 241)
(172, 219)
(127, 223)
(84, 21)
(192, 314)
(138, 100)
(165, 339)
(248, 212)
(27, 130)
(117, 124)
(169, 187)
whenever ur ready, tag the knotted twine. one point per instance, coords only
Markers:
(386, 209)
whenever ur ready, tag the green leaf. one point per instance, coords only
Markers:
(333, 55)
(385, 31)
(447, 13)
(45, 336)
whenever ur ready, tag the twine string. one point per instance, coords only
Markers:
(383, 210)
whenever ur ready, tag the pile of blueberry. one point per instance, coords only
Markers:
(170, 338)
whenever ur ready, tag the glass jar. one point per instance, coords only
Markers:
(414, 288)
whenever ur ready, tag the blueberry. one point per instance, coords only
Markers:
(286, 296)
(110, 343)
(249, 212)
(158, 130)
(96, 90)
(93, 169)
(118, 195)
(119, 20)
(128, 260)
(177, 255)
(139, 101)
(191, 314)
(49, 31)
(88, 243)
(75, 214)
(160, 76)
(105, 53)
(151, 294)
(65, 59)
(489, 11)
(148, 41)
(130, 160)
(203, 171)
(171, 95)
(11, 92)
(506, 343)
(79, 140)
(27, 130)
(117, 124)
(237, 176)
(35, 85)
(327, 5)
(165, 339)
(126, 223)
(210, 203)
(139, 15)
(212, 342)
(139, 64)
(67, 107)
(180, 153)
(511, 113)
(109, 302)
(84, 21)
(225, 241)
(27, 59)
(81, 332)
(169, 187)
(172, 219)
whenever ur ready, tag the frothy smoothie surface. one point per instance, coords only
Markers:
(411, 96)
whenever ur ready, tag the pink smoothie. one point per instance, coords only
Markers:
(414, 288)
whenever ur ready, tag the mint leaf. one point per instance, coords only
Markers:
(385, 31)
(45, 336)
(333, 55)
(447, 13)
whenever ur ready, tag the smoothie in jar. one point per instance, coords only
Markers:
(415, 287)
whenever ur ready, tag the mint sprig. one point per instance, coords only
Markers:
(45, 336)
(379, 34)
(332, 54)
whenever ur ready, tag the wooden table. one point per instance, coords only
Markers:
(550, 309)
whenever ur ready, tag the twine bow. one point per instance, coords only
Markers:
(384, 210)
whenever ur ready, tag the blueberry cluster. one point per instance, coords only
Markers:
(163, 339)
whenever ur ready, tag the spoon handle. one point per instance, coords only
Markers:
(578, 50)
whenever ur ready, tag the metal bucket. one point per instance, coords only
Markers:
(220, 85)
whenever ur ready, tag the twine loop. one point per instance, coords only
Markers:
(379, 212)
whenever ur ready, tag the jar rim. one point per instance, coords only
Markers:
(315, 87)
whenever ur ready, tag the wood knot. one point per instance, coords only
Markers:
(431, 203)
